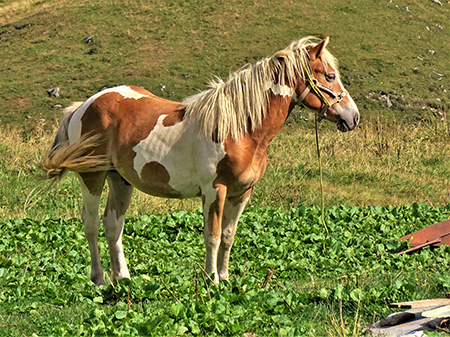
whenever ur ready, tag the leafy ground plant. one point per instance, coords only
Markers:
(320, 282)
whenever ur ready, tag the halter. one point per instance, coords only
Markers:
(313, 85)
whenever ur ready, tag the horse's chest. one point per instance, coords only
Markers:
(242, 168)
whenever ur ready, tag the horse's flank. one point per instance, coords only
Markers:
(231, 107)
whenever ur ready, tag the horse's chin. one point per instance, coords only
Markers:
(346, 116)
(343, 127)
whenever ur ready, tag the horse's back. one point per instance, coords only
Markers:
(123, 107)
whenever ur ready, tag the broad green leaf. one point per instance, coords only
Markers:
(177, 308)
(194, 327)
(98, 299)
(121, 314)
(356, 295)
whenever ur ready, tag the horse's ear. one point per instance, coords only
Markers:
(317, 50)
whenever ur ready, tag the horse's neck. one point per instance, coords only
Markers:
(278, 110)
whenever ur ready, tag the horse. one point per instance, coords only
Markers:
(213, 145)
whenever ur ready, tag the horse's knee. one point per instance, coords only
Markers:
(227, 239)
(113, 226)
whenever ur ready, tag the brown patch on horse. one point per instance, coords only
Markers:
(174, 118)
(94, 181)
(240, 175)
(215, 213)
(160, 180)
(214, 219)
(132, 119)
(235, 201)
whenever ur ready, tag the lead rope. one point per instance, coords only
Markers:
(306, 72)
(321, 179)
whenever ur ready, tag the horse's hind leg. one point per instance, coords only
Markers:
(119, 197)
(91, 189)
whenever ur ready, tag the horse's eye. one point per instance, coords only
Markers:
(330, 77)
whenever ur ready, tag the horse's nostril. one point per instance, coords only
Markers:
(356, 119)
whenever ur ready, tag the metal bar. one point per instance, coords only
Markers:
(428, 243)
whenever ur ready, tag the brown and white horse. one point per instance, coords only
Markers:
(213, 145)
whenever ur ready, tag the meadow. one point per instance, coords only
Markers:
(321, 285)
(385, 179)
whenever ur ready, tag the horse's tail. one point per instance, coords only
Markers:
(76, 157)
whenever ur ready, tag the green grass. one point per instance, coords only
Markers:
(183, 44)
(45, 287)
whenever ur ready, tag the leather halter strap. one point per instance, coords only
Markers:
(312, 85)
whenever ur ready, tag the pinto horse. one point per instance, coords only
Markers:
(213, 144)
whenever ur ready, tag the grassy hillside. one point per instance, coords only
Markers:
(173, 48)
(181, 44)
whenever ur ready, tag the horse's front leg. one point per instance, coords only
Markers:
(231, 213)
(213, 202)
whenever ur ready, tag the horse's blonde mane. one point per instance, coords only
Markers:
(229, 107)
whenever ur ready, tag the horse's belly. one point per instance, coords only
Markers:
(163, 188)
(172, 180)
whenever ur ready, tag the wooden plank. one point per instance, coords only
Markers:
(417, 325)
(442, 312)
(422, 304)
(445, 240)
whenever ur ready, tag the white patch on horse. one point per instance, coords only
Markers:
(113, 230)
(127, 92)
(74, 130)
(282, 90)
(352, 102)
(191, 162)
(210, 195)
(91, 223)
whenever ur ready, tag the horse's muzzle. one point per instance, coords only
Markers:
(345, 125)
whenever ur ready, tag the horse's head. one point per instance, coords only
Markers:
(321, 89)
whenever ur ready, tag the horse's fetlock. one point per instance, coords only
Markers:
(98, 279)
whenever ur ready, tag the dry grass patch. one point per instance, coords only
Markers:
(377, 164)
